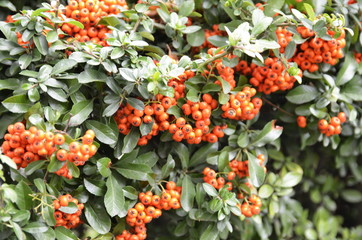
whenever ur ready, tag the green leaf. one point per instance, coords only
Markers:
(35, 227)
(302, 94)
(80, 112)
(223, 161)
(10, 83)
(201, 154)
(210, 190)
(17, 104)
(243, 139)
(21, 215)
(134, 171)
(103, 166)
(183, 153)
(24, 200)
(211, 233)
(127, 74)
(57, 94)
(70, 209)
(91, 75)
(18, 231)
(24, 61)
(260, 22)
(347, 71)
(113, 199)
(94, 187)
(130, 140)
(196, 39)
(309, 10)
(265, 191)
(188, 193)
(104, 133)
(97, 217)
(226, 87)
(351, 195)
(52, 36)
(63, 65)
(63, 233)
(186, 8)
(33, 166)
(269, 134)
(291, 179)
(256, 172)
(41, 44)
(8, 161)
(168, 167)
(73, 169)
(273, 5)
(146, 128)
(136, 103)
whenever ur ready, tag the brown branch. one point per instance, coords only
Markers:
(277, 107)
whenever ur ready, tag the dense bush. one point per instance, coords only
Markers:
(180, 119)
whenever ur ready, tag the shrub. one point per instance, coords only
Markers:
(180, 119)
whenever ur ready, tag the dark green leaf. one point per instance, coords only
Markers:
(269, 134)
(24, 200)
(196, 39)
(136, 103)
(134, 171)
(94, 187)
(41, 44)
(103, 166)
(17, 103)
(291, 179)
(130, 141)
(201, 154)
(63, 233)
(351, 195)
(188, 193)
(302, 94)
(243, 139)
(183, 153)
(80, 112)
(91, 75)
(256, 172)
(63, 65)
(223, 161)
(35, 227)
(210, 190)
(113, 199)
(167, 168)
(186, 8)
(273, 5)
(33, 166)
(104, 133)
(70, 209)
(97, 217)
(211, 233)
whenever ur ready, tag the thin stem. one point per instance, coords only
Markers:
(277, 107)
(210, 60)
(136, 25)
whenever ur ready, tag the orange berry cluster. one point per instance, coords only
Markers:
(270, 78)
(89, 12)
(251, 206)
(23, 44)
(241, 106)
(210, 177)
(334, 125)
(226, 73)
(316, 50)
(301, 121)
(241, 169)
(200, 112)
(150, 207)
(26, 146)
(178, 83)
(284, 37)
(156, 112)
(358, 57)
(67, 220)
(78, 153)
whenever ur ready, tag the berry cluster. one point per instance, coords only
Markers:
(89, 12)
(210, 177)
(241, 106)
(25, 146)
(316, 50)
(78, 153)
(284, 37)
(334, 125)
(178, 83)
(251, 206)
(241, 169)
(226, 73)
(270, 78)
(67, 220)
(150, 207)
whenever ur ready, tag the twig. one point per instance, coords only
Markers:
(277, 107)
(67, 125)
(210, 60)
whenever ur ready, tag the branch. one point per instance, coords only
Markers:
(277, 107)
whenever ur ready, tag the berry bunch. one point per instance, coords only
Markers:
(270, 78)
(301, 121)
(241, 169)
(241, 106)
(216, 182)
(200, 112)
(25, 146)
(334, 125)
(251, 206)
(150, 207)
(316, 50)
(284, 37)
(67, 220)
(178, 83)
(89, 12)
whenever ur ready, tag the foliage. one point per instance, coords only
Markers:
(253, 111)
